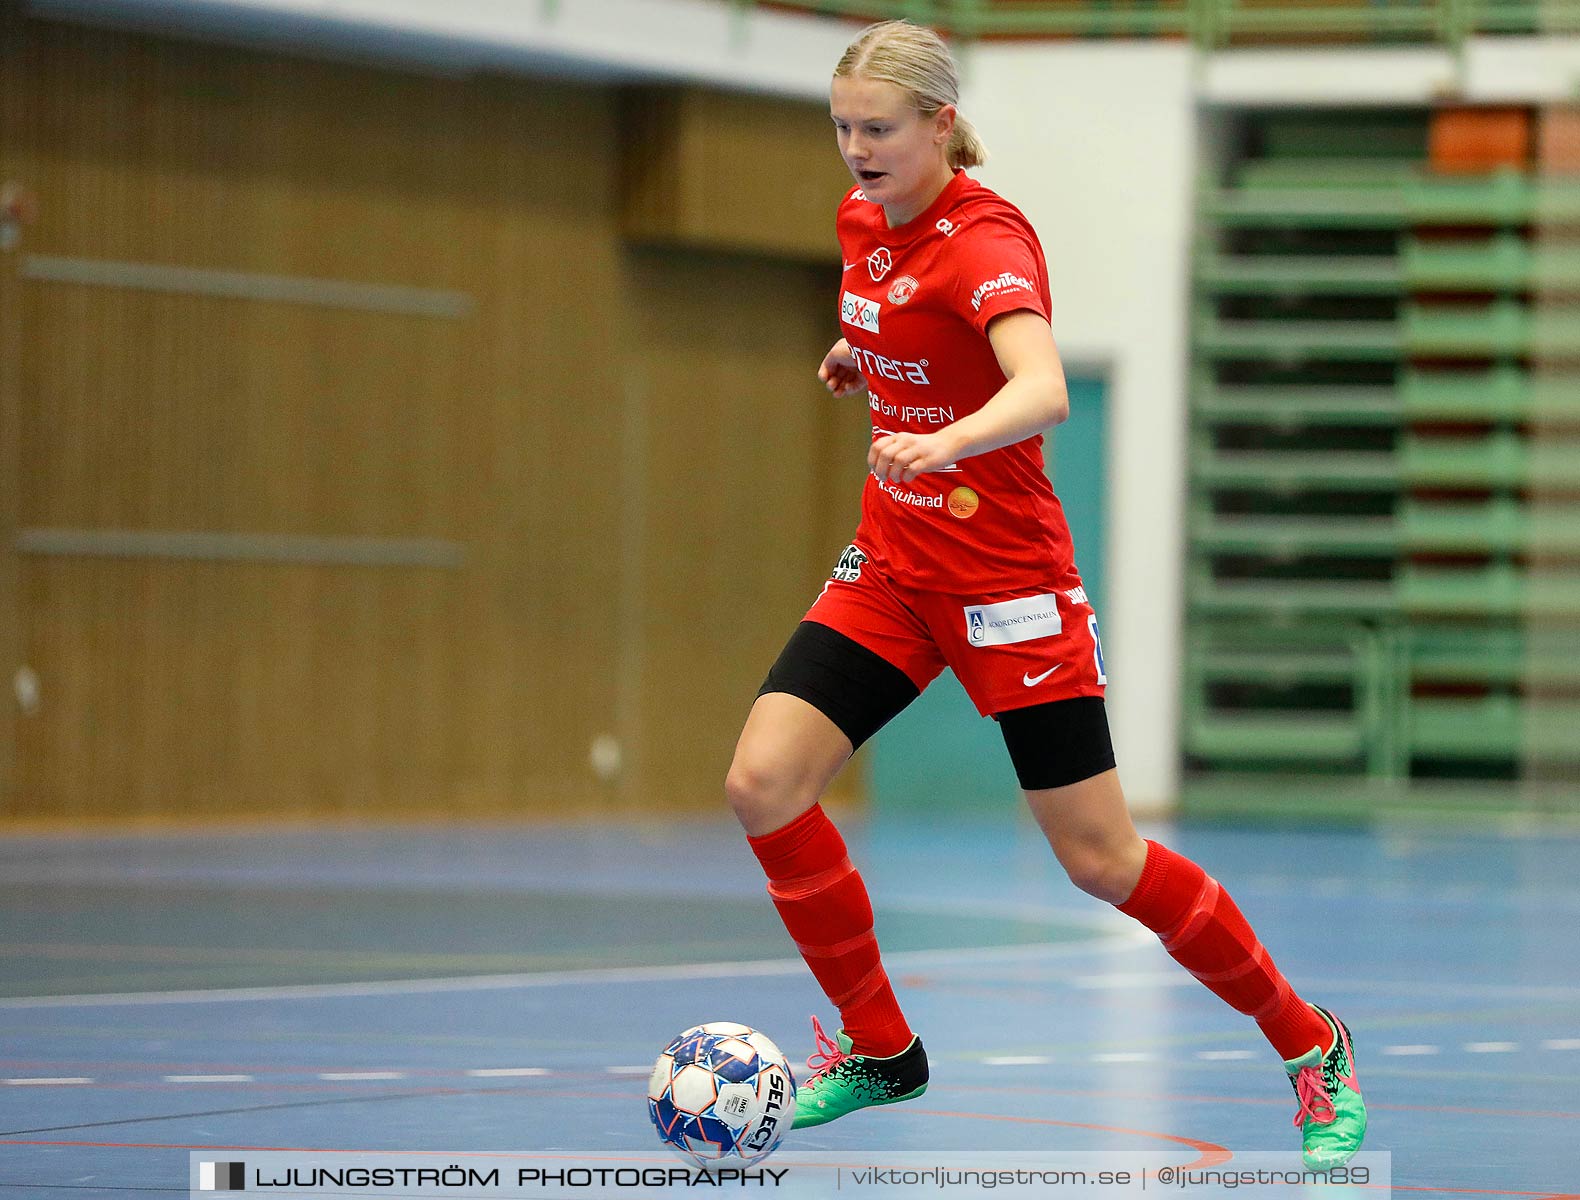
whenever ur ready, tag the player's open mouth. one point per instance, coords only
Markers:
(871, 176)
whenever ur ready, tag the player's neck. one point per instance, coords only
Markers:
(914, 205)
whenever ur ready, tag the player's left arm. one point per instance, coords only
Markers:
(1034, 397)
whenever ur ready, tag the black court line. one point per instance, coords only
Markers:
(93, 1187)
(254, 1108)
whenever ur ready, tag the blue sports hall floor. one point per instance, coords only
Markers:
(506, 989)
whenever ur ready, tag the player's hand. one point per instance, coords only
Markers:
(901, 457)
(838, 372)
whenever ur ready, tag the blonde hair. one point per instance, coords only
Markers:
(916, 60)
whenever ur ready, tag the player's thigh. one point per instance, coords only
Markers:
(825, 695)
(787, 755)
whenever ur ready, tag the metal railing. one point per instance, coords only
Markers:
(1216, 23)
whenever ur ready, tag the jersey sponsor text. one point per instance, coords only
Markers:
(935, 414)
(1006, 281)
(1011, 621)
(859, 311)
(914, 499)
(878, 366)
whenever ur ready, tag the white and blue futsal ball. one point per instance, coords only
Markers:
(722, 1093)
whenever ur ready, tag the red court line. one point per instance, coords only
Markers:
(1213, 1154)
(432, 1073)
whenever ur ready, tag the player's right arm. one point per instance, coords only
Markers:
(839, 372)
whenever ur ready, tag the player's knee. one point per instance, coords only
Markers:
(1099, 869)
(757, 791)
(744, 787)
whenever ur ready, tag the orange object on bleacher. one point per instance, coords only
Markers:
(1471, 141)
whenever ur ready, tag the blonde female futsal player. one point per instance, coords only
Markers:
(962, 558)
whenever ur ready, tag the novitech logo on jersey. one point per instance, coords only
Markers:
(877, 366)
(879, 264)
(859, 311)
(1008, 281)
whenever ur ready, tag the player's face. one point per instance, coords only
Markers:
(896, 155)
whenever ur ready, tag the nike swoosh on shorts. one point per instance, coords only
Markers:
(1033, 680)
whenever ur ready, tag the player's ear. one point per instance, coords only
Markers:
(944, 124)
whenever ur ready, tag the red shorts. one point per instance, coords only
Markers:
(1009, 649)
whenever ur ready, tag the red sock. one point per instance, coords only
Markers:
(824, 905)
(1205, 932)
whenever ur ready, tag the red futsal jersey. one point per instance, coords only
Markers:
(915, 302)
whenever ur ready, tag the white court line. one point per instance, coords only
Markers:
(628, 1070)
(208, 1078)
(1411, 1051)
(1018, 1060)
(42, 1082)
(1127, 981)
(1095, 921)
(1225, 1055)
(507, 1072)
(1561, 1044)
(1122, 1056)
(762, 968)
(1491, 1047)
(347, 1076)
(1416, 987)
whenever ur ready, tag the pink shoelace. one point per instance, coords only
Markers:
(1314, 1099)
(828, 1054)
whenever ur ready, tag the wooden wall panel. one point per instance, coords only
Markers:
(11, 105)
(731, 172)
(12, 102)
(630, 449)
(738, 531)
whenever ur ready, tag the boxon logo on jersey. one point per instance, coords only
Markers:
(1011, 621)
(859, 311)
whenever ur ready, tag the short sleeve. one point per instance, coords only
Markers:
(1000, 270)
(846, 217)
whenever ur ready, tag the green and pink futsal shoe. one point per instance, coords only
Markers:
(842, 1082)
(1332, 1116)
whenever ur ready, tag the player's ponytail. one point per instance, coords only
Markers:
(915, 59)
(965, 147)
